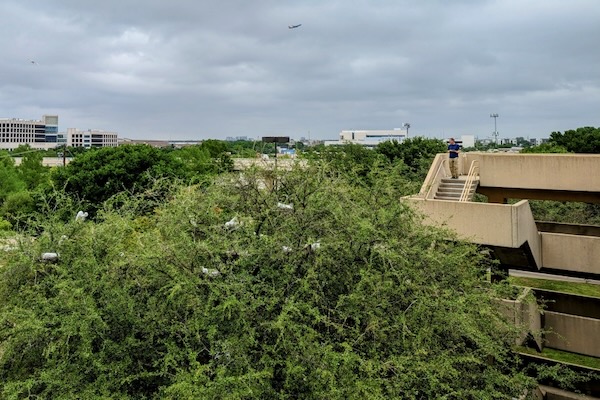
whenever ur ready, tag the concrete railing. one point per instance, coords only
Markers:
(568, 172)
(240, 164)
(437, 171)
(48, 161)
(572, 333)
(485, 223)
(571, 252)
(524, 313)
(472, 174)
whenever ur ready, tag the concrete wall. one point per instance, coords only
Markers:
(48, 161)
(571, 172)
(572, 333)
(569, 303)
(571, 252)
(525, 315)
(550, 393)
(485, 223)
(240, 164)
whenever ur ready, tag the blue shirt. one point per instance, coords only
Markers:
(454, 146)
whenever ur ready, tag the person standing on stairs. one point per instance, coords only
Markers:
(453, 150)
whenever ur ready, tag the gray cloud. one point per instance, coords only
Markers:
(189, 69)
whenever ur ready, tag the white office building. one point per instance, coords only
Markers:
(91, 138)
(368, 138)
(38, 134)
(43, 134)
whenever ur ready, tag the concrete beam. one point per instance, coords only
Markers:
(572, 333)
(502, 225)
(551, 172)
(571, 252)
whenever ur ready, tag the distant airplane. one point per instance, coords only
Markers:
(294, 26)
(33, 62)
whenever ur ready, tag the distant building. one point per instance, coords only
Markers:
(183, 143)
(43, 135)
(91, 138)
(38, 134)
(467, 141)
(368, 138)
(149, 142)
(161, 143)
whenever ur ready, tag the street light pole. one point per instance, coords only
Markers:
(494, 115)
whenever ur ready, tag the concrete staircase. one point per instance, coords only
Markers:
(451, 189)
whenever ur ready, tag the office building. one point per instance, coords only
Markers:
(38, 134)
(43, 135)
(91, 138)
(368, 138)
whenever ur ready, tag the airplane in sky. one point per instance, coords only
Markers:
(294, 26)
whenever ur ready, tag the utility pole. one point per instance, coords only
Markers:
(494, 115)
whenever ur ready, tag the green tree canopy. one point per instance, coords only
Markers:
(311, 289)
(545, 148)
(580, 140)
(351, 160)
(31, 169)
(10, 179)
(416, 153)
(95, 176)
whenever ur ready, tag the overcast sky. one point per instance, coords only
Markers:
(196, 69)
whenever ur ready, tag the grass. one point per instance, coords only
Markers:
(564, 356)
(585, 289)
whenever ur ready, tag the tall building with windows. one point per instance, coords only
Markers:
(91, 138)
(38, 134)
(43, 134)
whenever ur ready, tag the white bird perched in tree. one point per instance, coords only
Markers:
(232, 223)
(81, 216)
(285, 206)
(210, 272)
(50, 257)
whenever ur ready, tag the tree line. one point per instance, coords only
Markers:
(190, 281)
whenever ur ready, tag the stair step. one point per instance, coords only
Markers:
(450, 180)
(449, 194)
(446, 180)
(452, 189)
(455, 186)
(455, 189)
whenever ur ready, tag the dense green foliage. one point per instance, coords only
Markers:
(566, 212)
(192, 282)
(416, 153)
(545, 148)
(380, 308)
(580, 140)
